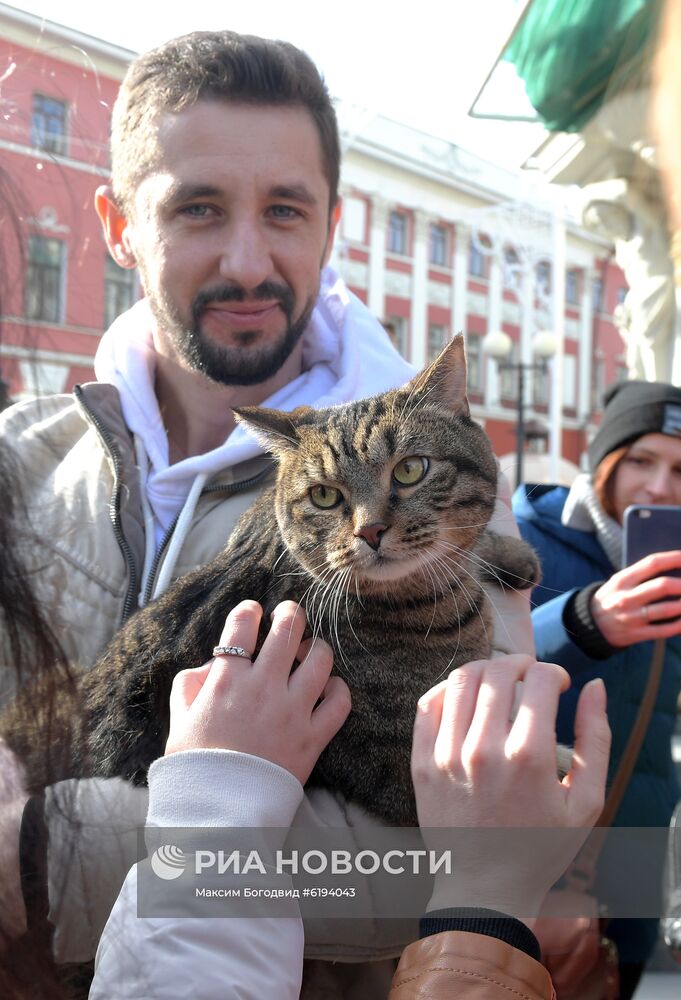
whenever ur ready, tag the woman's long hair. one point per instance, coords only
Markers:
(36, 667)
(34, 676)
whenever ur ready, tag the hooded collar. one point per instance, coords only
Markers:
(583, 512)
(557, 515)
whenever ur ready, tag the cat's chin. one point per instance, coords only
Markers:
(386, 570)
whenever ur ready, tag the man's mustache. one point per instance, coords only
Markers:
(265, 292)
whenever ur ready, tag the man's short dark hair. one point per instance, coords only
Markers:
(216, 65)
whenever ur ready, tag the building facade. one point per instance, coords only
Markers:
(436, 241)
(60, 289)
(433, 239)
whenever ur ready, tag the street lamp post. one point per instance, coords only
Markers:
(499, 346)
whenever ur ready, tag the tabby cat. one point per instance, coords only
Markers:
(376, 525)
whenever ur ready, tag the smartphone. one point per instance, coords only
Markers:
(648, 529)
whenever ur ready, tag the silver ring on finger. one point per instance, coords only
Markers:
(645, 613)
(232, 651)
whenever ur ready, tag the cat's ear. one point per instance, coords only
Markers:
(444, 381)
(275, 429)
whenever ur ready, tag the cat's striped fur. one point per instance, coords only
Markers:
(401, 605)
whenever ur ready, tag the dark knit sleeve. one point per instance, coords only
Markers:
(581, 625)
(476, 920)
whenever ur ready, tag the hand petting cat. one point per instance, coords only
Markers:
(261, 707)
(473, 768)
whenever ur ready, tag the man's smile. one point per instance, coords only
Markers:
(241, 315)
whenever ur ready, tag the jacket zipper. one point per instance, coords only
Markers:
(227, 489)
(114, 503)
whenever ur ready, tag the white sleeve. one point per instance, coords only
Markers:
(163, 958)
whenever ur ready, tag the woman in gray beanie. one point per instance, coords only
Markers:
(598, 620)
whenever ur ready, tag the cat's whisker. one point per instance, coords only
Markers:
(446, 584)
(444, 577)
(474, 558)
(425, 568)
(281, 555)
(452, 565)
(339, 588)
(453, 657)
(473, 524)
(335, 586)
(449, 568)
(491, 568)
(499, 619)
(326, 598)
(359, 597)
(310, 605)
(343, 590)
(349, 620)
(325, 594)
(447, 565)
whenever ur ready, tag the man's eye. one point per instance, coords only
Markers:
(283, 212)
(196, 211)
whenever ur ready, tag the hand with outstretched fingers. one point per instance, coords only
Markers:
(477, 766)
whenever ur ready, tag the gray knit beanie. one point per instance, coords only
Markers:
(633, 409)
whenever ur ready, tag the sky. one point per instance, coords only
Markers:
(421, 63)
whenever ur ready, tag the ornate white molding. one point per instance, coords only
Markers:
(421, 223)
(355, 272)
(439, 294)
(380, 208)
(47, 219)
(478, 303)
(398, 283)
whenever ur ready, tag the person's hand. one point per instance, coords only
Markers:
(262, 708)
(623, 607)
(473, 767)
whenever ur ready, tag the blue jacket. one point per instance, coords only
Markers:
(570, 560)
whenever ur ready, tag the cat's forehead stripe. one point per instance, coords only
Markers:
(330, 459)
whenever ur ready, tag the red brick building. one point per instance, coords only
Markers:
(59, 289)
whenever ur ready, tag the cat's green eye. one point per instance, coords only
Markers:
(410, 470)
(325, 497)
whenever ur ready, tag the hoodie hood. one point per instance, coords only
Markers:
(347, 355)
(542, 506)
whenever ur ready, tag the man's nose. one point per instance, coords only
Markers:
(246, 258)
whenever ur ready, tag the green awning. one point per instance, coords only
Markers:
(569, 55)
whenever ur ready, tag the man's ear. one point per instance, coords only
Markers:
(115, 226)
(334, 219)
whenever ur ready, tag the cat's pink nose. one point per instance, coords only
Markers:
(371, 533)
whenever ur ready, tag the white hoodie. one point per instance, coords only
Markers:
(347, 355)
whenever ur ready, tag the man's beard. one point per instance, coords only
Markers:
(230, 365)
